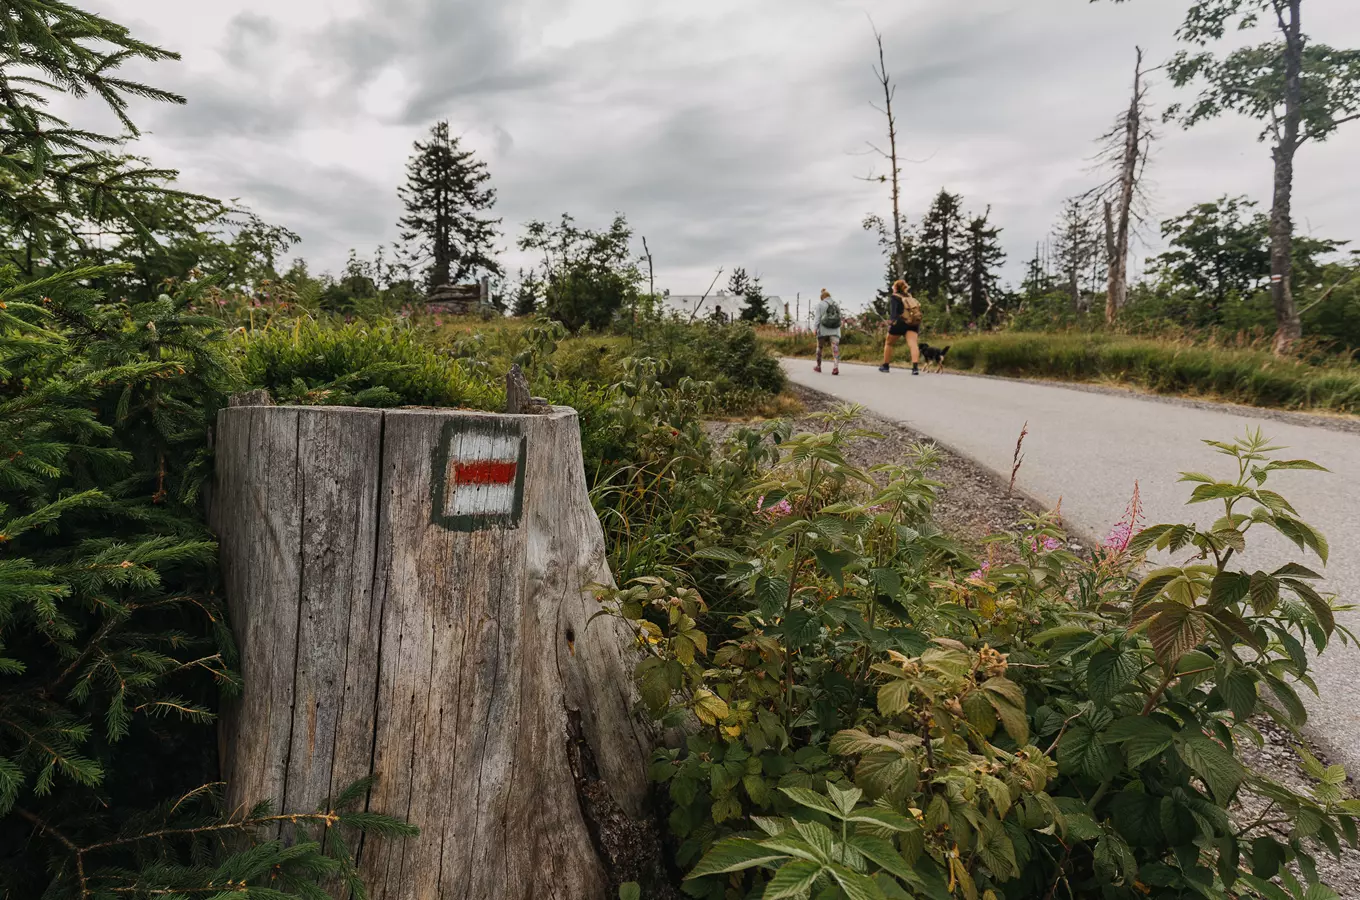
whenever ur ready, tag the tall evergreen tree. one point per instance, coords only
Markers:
(939, 248)
(982, 262)
(1077, 249)
(446, 194)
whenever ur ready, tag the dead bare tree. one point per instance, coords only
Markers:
(1124, 151)
(651, 279)
(895, 172)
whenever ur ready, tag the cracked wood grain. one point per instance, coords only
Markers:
(457, 665)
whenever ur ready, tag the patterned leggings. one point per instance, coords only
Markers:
(835, 342)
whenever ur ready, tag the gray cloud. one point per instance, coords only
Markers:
(729, 134)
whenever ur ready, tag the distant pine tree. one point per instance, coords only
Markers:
(939, 250)
(445, 195)
(982, 260)
(749, 289)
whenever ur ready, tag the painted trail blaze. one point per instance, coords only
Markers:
(478, 475)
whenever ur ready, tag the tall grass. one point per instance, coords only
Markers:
(1248, 374)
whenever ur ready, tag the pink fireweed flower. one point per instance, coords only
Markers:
(980, 574)
(1119, 537)
(1123, 531)
(775, 510)
(1048, 544)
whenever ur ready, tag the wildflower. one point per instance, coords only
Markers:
(1048, 544)
(981, 573)
(775, 511)
(1118, 539)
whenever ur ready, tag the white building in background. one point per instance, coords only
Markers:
(684, 305)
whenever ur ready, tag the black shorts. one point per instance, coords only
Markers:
(900, 328)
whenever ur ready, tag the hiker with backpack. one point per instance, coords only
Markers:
(904, 319)
(827, 315)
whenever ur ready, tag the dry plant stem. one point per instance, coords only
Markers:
(788, 654)
(328, 818)
(1017, 459)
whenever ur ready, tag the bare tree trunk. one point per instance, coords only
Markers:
(899, 253)
(1288, 328)
(1112, 264)
(1125, 149)
(888, 90)
(411, 594)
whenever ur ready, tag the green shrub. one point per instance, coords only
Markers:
(867, 719)
(728, 356)
(360, 364)
(114, 649)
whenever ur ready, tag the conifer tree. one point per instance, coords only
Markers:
(59, 182)
(1077, 248)
(114, 650)
(446, 194)
(940, 247)
(749, 289)
(983, 258)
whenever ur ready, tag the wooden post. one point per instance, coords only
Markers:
(410, 593)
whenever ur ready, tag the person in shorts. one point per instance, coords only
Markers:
(904, 320)
(827, 315)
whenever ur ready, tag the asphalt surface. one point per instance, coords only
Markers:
(1090, 448)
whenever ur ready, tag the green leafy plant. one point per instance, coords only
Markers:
(1046, 725)
(114, 650)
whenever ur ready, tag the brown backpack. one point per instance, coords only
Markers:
(911, 310)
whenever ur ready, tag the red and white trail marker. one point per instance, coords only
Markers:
(483, 479)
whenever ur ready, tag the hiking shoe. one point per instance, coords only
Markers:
(817, 369)
(883, 368)
(915, 370)
(836, 370)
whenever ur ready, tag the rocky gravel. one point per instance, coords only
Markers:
(975, 503)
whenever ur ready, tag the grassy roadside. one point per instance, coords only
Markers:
(1247, 376)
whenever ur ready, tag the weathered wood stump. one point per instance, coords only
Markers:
(410, 592)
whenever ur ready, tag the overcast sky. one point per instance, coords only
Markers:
(730, 132)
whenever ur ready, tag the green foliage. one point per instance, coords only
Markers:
(445, 196)
(863, 719)
(748, 288)
(359, 364)
(587, 277)
(728, 356)
(1251, 80)
(114, 649)
(60, 184)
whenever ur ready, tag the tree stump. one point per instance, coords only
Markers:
(410, 593)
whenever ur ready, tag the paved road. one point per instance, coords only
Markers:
(1089, 448)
